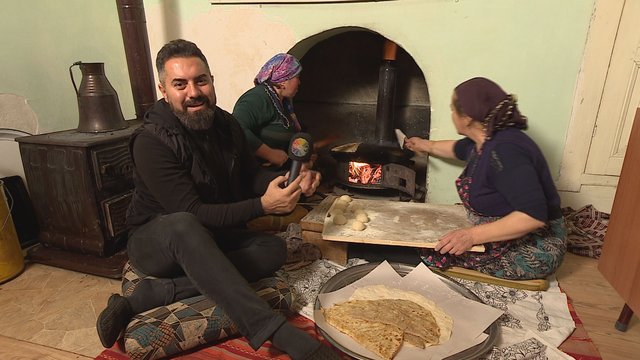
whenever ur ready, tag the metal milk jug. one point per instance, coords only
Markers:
(98, 104)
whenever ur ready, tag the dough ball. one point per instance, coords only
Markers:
(358, 226)
(353, 207)
(360, 212)
(339, 204)
(362, 217)
(346, 198)
(336, 211)
(339, 219)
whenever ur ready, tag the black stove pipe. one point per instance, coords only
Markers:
(384, 134)
(136, 48)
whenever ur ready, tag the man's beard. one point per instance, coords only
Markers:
(198, 120)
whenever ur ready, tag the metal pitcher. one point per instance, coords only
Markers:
(98, 104)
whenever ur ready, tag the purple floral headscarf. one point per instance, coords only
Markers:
(484, 101)
(279, 68)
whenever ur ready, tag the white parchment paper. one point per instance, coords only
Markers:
(470, 318)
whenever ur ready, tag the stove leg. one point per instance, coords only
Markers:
(624, 318)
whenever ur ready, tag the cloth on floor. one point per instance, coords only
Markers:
(305, 283)
(534, 324)
(299, 253)
(527, 314)
(533, 348)
(579, 346)
(586, 228)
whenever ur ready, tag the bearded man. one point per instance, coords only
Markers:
(196, 186)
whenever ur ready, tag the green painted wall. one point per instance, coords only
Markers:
(42, 38)
(533, 48)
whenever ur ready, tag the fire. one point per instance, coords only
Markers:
(364, 173)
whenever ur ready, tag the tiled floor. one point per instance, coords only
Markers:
(55, 307)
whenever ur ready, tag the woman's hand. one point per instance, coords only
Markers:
(417, 144)
(275, 157)
(513, 226)
(456, 242)
(439, 148)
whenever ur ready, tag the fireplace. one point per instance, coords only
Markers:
(357, 88)
(372, 168)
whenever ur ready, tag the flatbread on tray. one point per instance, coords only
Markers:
(404, 314)
(382, 339)
(373, 292)
(381, 325)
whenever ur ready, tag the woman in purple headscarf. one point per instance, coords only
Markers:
(265, 112)
(505, 186)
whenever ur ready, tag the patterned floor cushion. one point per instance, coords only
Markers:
(183, 325)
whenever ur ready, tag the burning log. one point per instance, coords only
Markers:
(365, 173)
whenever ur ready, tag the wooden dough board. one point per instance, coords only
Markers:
(399, 223)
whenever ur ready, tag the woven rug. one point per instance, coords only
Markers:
(532, 321)
(578, 346)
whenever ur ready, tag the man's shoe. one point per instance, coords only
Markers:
(113, 319)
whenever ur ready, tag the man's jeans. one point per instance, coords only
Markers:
(188, 260)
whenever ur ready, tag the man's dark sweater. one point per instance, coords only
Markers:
(209, 173)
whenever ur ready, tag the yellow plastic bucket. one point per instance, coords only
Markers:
(11, 260)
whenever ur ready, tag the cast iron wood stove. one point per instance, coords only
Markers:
(81, 185)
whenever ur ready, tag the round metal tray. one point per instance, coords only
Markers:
(354, 273)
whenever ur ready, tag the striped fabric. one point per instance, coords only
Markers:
(186, 324)
(586, 230)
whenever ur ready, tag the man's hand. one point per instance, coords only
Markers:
(310, 181)
(278, 200)
(312, 160)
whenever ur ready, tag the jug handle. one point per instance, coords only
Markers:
(71, 74)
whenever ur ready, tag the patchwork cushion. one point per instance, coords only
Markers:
(183, 325)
